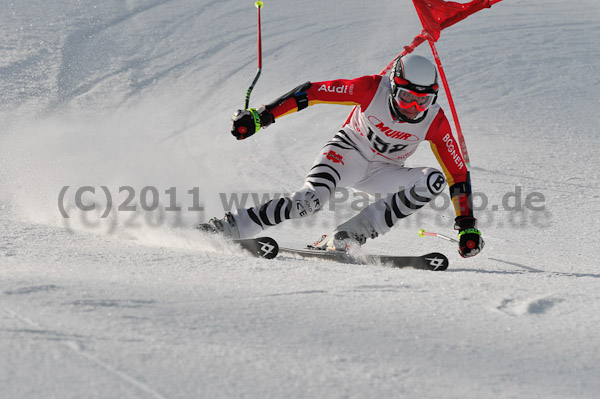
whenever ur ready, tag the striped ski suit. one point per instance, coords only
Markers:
(367, 154)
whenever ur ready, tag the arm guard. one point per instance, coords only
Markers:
(462, 197)
(299, 94)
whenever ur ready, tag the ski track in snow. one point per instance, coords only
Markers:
(75, 347)
(140, 94)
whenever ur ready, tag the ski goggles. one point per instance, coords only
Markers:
(406, 98)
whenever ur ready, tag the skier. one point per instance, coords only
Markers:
(389, 120)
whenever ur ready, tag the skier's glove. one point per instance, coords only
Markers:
(470, 242)
(248, 121)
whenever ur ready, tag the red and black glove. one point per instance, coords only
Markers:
(470, 242)
(246, 122)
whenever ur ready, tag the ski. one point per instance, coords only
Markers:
(260, 247)
(431, 261)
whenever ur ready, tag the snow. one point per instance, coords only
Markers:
(140, 93)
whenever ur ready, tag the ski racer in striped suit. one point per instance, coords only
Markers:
(391, 117)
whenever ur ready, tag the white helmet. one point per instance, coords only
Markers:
(413, 82)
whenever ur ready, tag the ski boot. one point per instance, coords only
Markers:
(225, 227)
(348, 236)
(338, 241)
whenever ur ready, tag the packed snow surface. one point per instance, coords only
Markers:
(128, 103)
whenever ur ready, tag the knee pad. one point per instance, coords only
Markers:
(431, 184)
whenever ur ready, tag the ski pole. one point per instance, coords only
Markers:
(258, 5)
(423, 233)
